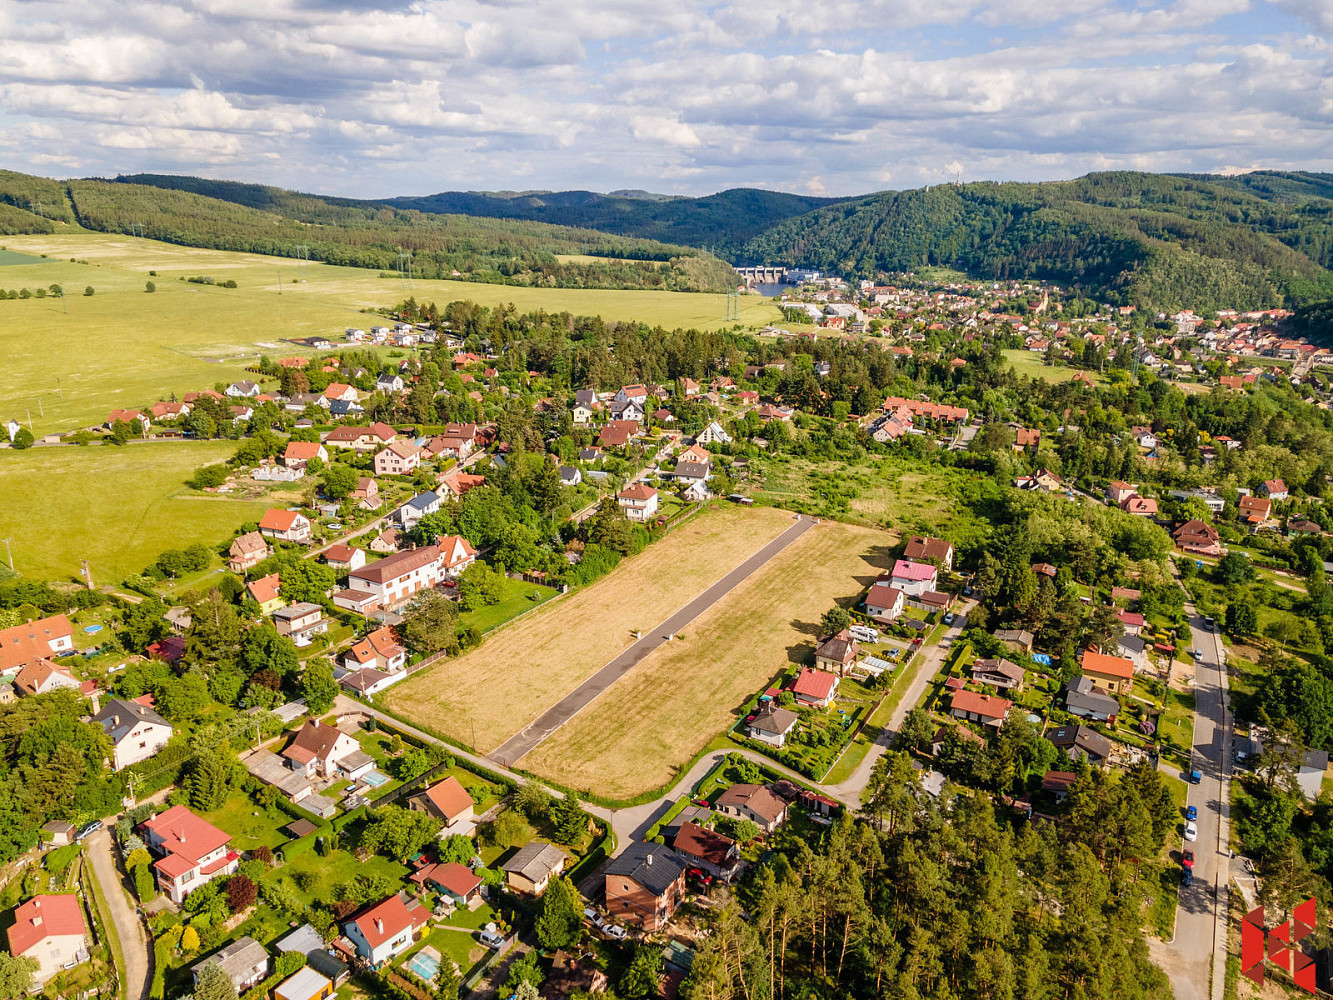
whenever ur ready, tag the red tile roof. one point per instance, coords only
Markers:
(816, 684)
(458, 879)
(31, 641)
(987, 706)
(279, 520)
(42, 917)
(185, 834)
(450, 797)
(388, 918)
(1111, 666)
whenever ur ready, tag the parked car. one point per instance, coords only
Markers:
(1186, 876)
(614, 931)
(1191, 813)
(1196, 776)
(1197, 654)
(1191, 831)
(1187, 858)
(864, 633)
(490, 937)
(948, 619)
(88, 829)
(592, 916)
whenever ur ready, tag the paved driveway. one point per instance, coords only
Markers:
(136, 977)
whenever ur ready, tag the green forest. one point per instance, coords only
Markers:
(359, 235)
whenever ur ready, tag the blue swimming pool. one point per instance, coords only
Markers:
(423, 965)
(93, 629)
(374, 779)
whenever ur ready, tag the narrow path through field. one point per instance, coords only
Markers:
(571, 704)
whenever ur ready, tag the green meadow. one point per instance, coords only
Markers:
(72, 361)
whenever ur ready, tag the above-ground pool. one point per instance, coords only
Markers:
(374, 779)
(92, 629)
(424, 964)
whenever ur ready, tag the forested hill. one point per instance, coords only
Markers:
(1147, 239)
(359, 234)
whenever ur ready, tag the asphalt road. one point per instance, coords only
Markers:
(571, 704)
(137, 975)
(1198, 921)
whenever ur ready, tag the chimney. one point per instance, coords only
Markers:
(379, 925)
(650, 859)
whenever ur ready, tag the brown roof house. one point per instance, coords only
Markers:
(532, 868)
(837, 654)
(714, 853)
(644, 885)
(246, 551)
(447, 800)
(1199, 538)
(327, 752)
(771, 723)
(756, 803)
(1001, 674)
(921, 548)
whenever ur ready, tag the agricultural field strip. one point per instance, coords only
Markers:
(583, 695)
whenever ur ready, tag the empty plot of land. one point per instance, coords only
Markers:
(119, 508)
(647, 724)
(491, 693)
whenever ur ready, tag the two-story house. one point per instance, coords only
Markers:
(285, 525)
(456, 555)
(247, 551)
(192, 851)
(50, 930)
(394, 579)
(915, 578)
(922, 548)
(644, 885)
(386, 929)
(300, 621)
(401, 458)
(447, 800)
(267, 593)
(757, 803)
(638, 501)
(137, 732)
(323, 751)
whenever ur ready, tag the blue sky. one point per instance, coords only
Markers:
(379, 98)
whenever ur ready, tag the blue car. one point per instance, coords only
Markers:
(1191, 813)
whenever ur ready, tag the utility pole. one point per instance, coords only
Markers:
(87, 572)
(9, 553)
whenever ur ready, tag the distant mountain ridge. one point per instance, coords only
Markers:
(1160, 241)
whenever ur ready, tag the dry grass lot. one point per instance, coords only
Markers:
(488, 695)
(641, 730)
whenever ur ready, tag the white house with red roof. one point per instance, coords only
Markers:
(340, 391)
(32, 641)
(1274, 489)
(374, 663)
(41, 676)
(192, 851)
(396, 578)
(914, 578)
(987, 709)
(386, 929)
(298, 453)
(344, 557)
(638, 501)
(326, 751)
(456, 555)
(51, 930)
(884, 599)
(285, 525)
(399, 459)
(814, 687)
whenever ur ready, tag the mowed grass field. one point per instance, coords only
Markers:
(122, 347)
(1029, 364)
(116, 507)
(485, 696)
(652, 721)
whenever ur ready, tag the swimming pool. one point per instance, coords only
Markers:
(424, 965)
(374, 779)
(93, 629)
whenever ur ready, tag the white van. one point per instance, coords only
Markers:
(864, 633)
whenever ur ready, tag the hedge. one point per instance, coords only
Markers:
(295, 848)
(341, 822)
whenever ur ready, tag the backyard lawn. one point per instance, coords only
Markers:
(313, 877)
(119, 508)
(518, 598)
(637, 734)
(249, 825)
(497, 689)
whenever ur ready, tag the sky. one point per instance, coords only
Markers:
(379, 97)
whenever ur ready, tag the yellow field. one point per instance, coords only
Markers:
(72, 362)
(489, 694)
(637, 734)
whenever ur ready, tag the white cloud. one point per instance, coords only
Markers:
(697, 95)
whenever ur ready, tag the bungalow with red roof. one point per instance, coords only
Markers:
(138, 420)
(459, 882)
(447, 800)
(987, 709)
(285, 525)
(299, 453)
(386, 929)
(1274, 489)
(1139, 506)
(193, 851)
(29, 642)
(371, 438)
(1254, 511)
(51, 931)
(1199, 538)
(814, 688)
(41, 676)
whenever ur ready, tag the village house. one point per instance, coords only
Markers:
(29, 642)
(1081, 743)
(380, 650)
(371, 438)
(456, 555)
(50, 930)
(1118, 492)
(884, 601)
(638, 501)
(1001, 674)
(299, 453)
(1139, 506)
(644, 884)
(710, 851)
(1084, 700)
(244, 389)
(921, 548)
(192, 851)
(247, 551)
(1253, 510)
(399, 459)
(389, 383)
(342, 556)
(838, 653)
(459, 882)
(617, 433)
(756, 803)
(366, 495)
(42, 676)
(1198, 538)
(1274, 489)
(340, 391)
(771, 723)
(531, 869)
(1109, 674)
(712, 434)
(987, 709)
(322, 751)
(814, 688)
(266, 591)
(914, 578)
(304, 984)
(285, 525)
(1019, 640)
(458, 482)
(136, 731)
(386, 929)
(418, 507)
(449, 801)
(244, 961)
(300, 621)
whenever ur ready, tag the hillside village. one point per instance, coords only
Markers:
(432, 480)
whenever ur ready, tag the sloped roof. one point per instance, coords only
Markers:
(816, 684)
(536, 861)
(449, 797)
(650, 865)
(186, 835)
(119, 718)
(42, 917)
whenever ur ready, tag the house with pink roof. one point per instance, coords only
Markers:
(914, 578)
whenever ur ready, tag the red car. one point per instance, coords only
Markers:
(1187, 858)
(701, 875)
